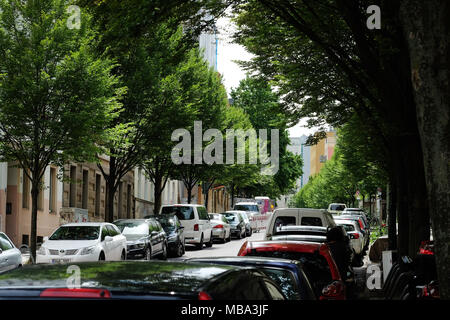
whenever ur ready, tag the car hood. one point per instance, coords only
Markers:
(68, 244)
(134, 237)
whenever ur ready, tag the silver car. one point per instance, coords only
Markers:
(220, 226)
(10, 256)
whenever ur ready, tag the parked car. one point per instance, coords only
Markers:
(300, 233)
(154, 280)
(365, 229)
(296, 217)
(251, 209)
(316, 260)
(10, 256)
(195, 220)
(248, 225)
(336, 208)
(86, 241)
(237, 224)
(221, 227)
(356, 236)
(356, 212)
(288, 274)
(174, 233)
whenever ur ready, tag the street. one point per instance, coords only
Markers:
(219, 249)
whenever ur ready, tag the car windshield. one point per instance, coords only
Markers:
(76, 233)
(231, 217)
(337, 207)
(246, 207)
(182, 212)
(4, 243)
(133, 227)
(168, 223)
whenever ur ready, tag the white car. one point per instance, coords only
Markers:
(298, 217)
(356, 236)
(10, 256)
(80, 242)
(196, 222)
(221, 227)
(336, 208)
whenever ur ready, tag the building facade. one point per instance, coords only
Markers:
(322, 152)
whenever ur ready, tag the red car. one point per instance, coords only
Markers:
(317, 262)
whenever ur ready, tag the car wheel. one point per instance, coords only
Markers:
(200, 245)
(148, 254)
(101, 257)
(210, 243)
(179, 249)
(164, 253)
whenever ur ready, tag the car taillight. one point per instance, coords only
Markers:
(83, 293)
(360, 224)
(355, 235)
(243, 251)
(195, 227)
(426, 247)
(204, 296)
(219, 226)
(334, 290)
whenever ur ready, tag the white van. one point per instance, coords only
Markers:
(196, 222)
(298, 217)
(336, 208)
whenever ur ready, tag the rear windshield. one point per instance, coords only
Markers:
(348, 227)
(315, 266)
(286, 280)
(76, 233)
(182, 213)
(246, 207)
(311, 221)
(337, 207)
(282, 222)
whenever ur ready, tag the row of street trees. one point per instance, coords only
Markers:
(330, 66)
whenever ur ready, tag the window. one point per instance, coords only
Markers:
(73, 189)
(286, 280)
(182, 213)
(52, 191)
(25, 191)
(273, 291)
(112, 231)
(76, 233)
(283, 221)
(26, 239)
(5, 244)
(98, 180)
(202, 213)
(349, 227)
(105, 233)
(311, 221)
(85, 189)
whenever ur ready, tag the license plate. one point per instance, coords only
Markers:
(60, 260)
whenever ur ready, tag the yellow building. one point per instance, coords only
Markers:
(321, 152)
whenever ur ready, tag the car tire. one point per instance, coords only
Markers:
(200, 245)
(180, 249)
(148, 254)
(210, 243)
(101, 257)
(163, 255)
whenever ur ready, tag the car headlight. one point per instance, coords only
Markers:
(42, 251)
(88, 250)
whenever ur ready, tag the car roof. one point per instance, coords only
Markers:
(247, 203)
(137, 276)
(245, 259)
(301, 210)
(286, 245)
(85, 224)
(345, 221)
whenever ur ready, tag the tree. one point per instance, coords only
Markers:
(56, 97)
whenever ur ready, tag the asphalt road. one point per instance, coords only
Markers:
(219, 249)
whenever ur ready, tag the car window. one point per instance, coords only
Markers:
(337, 207)
(273, 291)
(159, 226)
(283, 221)
(202, 213)
(182, 212)
(311, 221)
(252, 289)
(224, 219)
(105, 233)
(112, 231)
(5, 244)
(76, 233)
(286, 280)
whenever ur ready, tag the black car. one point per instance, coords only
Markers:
(174, 233)
(146, 238)
(154, 280)
(288, 274)
(237, 224)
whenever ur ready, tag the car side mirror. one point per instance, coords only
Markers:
(45, 239)
(108, 239)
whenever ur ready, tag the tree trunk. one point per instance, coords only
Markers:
(427, 30)
(189, 195)
(392, 217)
(34, 210)
(111, 189)
(158, 194)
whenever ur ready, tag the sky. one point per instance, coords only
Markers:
(226, 54)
